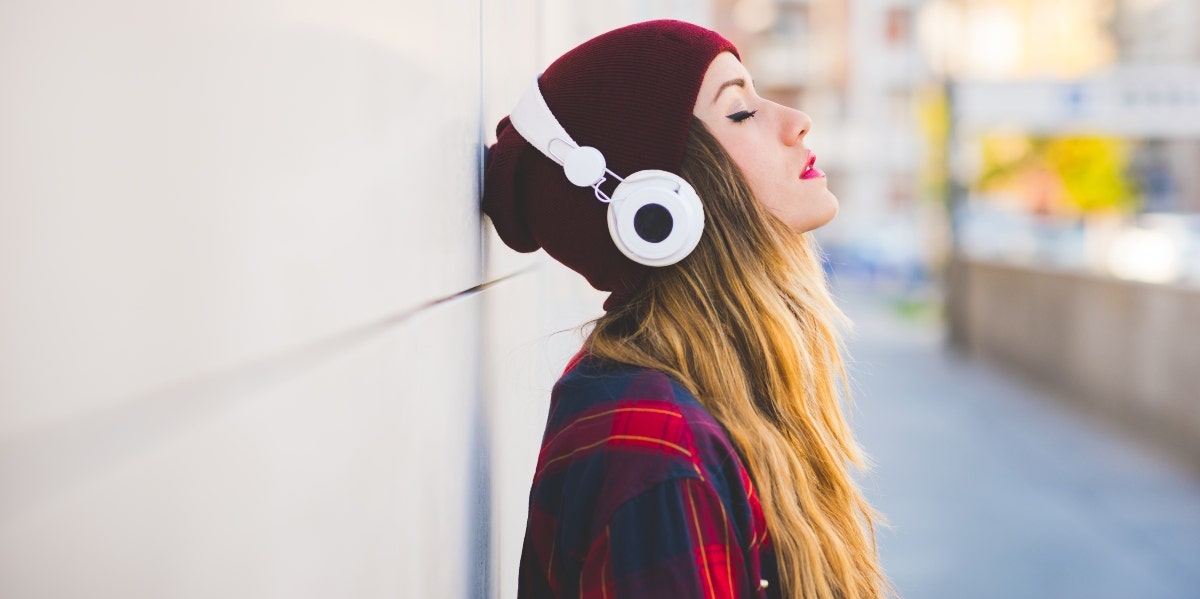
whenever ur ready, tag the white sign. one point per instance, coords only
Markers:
(1142, 102)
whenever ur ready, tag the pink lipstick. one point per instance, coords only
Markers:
(810, 170)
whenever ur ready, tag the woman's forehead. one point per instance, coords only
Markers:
(724, 71)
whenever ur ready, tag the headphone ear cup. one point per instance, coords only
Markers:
(655, 218)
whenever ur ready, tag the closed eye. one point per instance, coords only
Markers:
(741, 115)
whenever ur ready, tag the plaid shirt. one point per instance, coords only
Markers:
(638, 492)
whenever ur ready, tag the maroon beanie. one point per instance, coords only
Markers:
(628, 93)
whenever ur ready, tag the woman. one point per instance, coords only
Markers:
(696, 446)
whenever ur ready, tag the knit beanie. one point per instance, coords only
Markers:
(628, 93)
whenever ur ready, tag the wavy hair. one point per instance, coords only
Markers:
(747, 324)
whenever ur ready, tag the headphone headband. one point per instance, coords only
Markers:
(532, 118)
(535, 122)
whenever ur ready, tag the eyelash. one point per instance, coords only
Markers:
(740, 116)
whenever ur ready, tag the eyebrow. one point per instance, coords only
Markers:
(739, 82)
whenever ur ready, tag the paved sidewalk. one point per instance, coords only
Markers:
(994, 490)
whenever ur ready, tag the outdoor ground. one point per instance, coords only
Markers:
(993, 489)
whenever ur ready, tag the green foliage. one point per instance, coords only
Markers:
(1086, 173)
(933, 120)
(1092, 170)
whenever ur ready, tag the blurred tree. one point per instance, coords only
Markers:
(933, 118)
(1092, 171)
(1077, 175)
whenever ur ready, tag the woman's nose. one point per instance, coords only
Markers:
(796, 125)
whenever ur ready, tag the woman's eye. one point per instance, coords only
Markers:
(742, 115)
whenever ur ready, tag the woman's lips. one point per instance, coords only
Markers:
(810, 170)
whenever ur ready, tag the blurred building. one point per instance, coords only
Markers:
(1070, 121)
(1163, 32)
(1156, 30)
(1072, 153)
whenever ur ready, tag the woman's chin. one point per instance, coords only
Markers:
(820, 216)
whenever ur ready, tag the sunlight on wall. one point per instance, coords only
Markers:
(1145, 255)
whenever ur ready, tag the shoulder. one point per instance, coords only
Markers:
(591, 384)
(618, 430)
(629, 406)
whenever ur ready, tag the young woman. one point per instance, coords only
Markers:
(696, 446)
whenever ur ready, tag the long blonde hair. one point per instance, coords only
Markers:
(746, 323)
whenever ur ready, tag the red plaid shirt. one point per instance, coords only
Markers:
(638, 492)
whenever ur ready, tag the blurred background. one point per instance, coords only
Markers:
(257, 341)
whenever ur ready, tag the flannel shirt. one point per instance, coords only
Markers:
(638, 492)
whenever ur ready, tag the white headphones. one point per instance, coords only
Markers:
(654, 217)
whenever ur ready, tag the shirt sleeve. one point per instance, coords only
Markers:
(673, 540)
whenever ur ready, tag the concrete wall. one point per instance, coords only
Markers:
(255, 340)
(1125, 350)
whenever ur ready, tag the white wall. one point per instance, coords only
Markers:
(242, 348)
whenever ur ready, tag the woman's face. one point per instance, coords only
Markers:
(766, 140)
